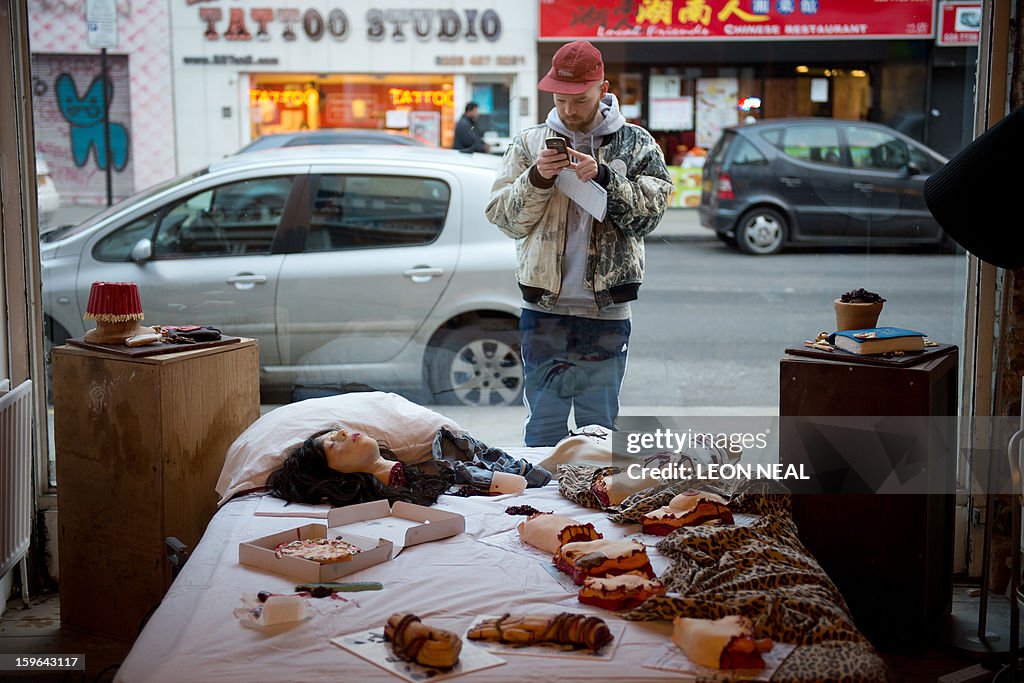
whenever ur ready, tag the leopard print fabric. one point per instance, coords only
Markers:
(761, 571)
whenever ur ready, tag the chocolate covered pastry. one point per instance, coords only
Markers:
(692, 508)
(414, 641)
(726, 643)
(603, 558)
(625, 591)
(564, 628)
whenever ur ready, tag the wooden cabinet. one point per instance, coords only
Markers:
(890, 556)
(139, 444)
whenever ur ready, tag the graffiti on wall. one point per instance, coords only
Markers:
(86, 116)
(67, 104)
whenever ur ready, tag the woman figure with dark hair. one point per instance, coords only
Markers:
(341, 467)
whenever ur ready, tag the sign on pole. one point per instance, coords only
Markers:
(101, 23)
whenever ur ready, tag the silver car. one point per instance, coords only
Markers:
(353, 266)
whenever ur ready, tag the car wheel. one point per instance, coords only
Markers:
(761, 231)
(478, 365)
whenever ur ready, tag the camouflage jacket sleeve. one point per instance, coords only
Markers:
(516, 206)
(639, 184)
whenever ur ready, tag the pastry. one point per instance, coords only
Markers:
(603, 558)
(692, 508)
(612, 489)
(541, 530)
(575, 533)
(414, 641)
(625, 591)
(565, 628)
(322, 550)
(726, 643)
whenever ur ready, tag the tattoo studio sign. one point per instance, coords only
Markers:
(397, 25)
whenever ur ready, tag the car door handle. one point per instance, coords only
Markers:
(423, 273)
(790, 181)
(246, 280)
(864, 187)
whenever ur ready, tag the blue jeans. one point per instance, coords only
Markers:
(571, 362)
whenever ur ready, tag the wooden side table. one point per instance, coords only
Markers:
(891, 556)
(139, 444)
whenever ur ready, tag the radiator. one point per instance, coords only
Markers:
(15, 478)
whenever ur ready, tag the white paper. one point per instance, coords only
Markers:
(673, 659)
(590, 196)
(371, 646)
(819, 90)
(272, 506)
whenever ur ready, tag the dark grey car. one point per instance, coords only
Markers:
(818, 182)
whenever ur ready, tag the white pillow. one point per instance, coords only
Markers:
(407, 428)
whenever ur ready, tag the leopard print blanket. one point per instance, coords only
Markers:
(761, 571)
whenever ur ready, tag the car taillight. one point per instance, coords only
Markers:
(725, 187)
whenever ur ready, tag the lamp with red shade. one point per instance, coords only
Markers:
(117, 310)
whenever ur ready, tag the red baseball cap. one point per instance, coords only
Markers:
(576, 67)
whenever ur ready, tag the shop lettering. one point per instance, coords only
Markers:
(443, 24)
(479, 60)
(438, 98)
(288, 98)
(314, 24)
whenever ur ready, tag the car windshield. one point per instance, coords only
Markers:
(66, 231)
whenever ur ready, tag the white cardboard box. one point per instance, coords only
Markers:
(379, 530)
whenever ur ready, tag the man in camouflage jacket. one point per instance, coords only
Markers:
(578, 274)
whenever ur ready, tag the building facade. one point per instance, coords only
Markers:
(250, 68)
(684, 69)
(68, 103)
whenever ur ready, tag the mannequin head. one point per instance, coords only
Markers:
(313, 473)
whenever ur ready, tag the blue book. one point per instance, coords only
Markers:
(878, 340)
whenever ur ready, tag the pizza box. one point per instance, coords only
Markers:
(260, 553)
(402, 524)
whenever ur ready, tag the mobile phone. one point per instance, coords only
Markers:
(557, 144)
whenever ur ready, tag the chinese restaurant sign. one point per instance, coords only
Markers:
(959, 23)
(735, 19)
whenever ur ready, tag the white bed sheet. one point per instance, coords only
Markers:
(194, 636)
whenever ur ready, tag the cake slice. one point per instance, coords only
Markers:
(547, 531)
(624, 591)
(691, 508)
(603, 558)
(726, 643)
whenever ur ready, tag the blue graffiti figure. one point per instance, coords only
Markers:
(86, 118)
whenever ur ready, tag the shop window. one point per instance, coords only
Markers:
(815, 144)
(360, 212)
(876, 150)
(774, 136)
(236, 219)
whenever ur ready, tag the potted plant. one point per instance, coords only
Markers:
(857, 310)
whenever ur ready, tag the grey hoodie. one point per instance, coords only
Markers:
(575, 298)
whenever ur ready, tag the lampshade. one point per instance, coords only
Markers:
(117, 310)
(114, 302)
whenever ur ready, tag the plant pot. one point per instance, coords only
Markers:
(856, 316)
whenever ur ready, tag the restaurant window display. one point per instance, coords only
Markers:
(422, 106)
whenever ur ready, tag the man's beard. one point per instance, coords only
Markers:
(582, 124)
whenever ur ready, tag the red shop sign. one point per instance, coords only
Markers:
(735, 19)
(959, 23)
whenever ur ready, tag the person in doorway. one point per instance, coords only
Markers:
(468, 137)
(578, 274)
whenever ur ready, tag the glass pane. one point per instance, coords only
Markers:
(817, 144)
(876, 149)
(359, 212)
(235, 219)
(118, 245)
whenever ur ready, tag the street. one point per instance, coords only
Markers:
(711, 323)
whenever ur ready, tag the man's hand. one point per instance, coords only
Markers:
(585, 166)
(550, 162)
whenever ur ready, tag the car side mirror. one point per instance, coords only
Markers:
(911, 169)
(142, 251)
